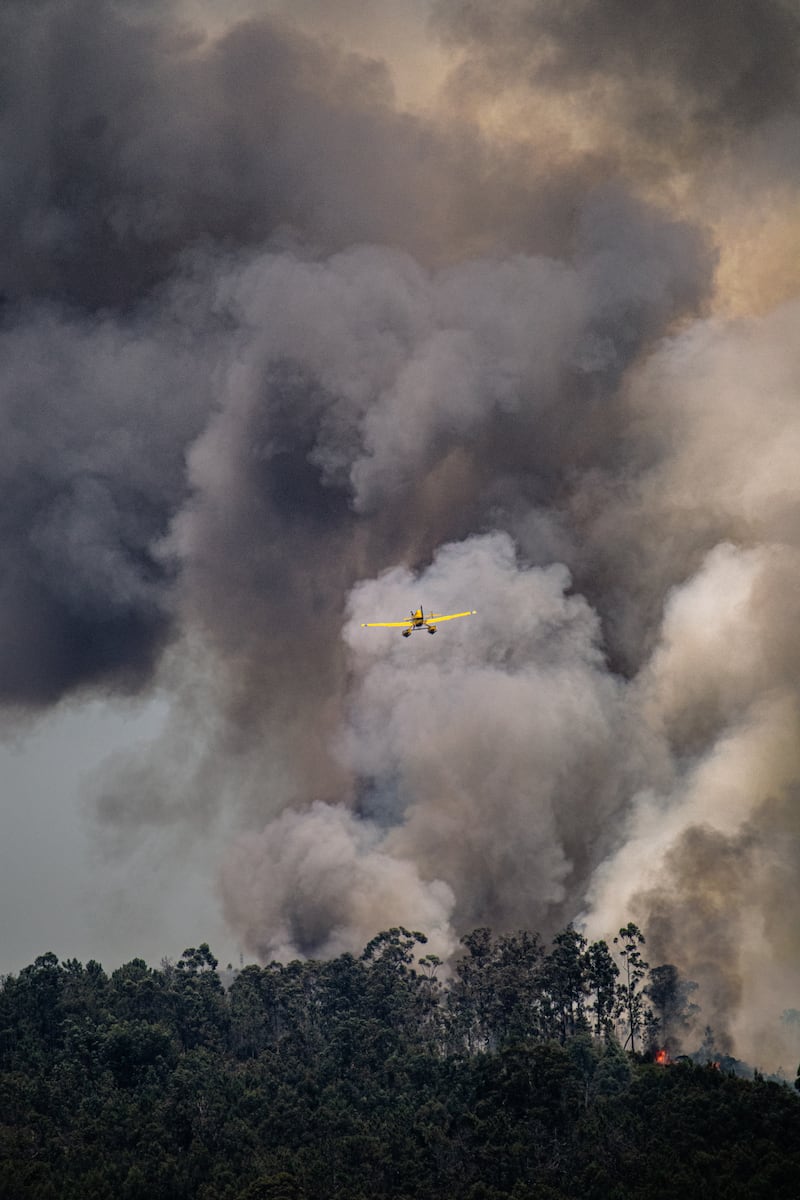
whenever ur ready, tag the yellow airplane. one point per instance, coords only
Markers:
(417, 620)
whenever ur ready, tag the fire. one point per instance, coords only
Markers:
(662, 1057)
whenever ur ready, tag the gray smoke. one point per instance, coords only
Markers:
(282, 353)
(91, 469)
(675, 75)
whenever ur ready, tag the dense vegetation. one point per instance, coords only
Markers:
(361, 1078)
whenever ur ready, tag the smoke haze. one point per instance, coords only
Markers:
(293, 338)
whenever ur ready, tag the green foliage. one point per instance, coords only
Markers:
(363, 1078)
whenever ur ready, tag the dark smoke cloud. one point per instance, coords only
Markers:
(683, 74)
(278, 356)
(127, 138)
(91, 469)
(128, 142)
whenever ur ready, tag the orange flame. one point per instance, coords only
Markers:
(662, 1057)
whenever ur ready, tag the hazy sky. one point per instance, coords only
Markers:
(316, 311)
(59, 890)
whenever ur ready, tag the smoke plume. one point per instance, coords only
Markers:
(284, 351)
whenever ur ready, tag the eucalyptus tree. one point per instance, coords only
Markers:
(630, 1001)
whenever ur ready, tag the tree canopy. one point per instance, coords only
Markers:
(382, 1075)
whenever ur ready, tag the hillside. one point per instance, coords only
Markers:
(366, 1077)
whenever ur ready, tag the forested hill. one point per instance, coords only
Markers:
(361, 1078)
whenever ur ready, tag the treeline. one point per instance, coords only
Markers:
(368, 1077)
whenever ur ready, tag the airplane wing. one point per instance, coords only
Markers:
(385, 624)
(451, 616)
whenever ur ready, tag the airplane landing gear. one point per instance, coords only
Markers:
(431, 629)
(406, 633)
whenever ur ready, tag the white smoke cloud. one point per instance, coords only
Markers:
(320, 881)
(493, 763)
(700, 863)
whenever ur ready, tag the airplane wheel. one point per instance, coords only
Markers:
(431, 631)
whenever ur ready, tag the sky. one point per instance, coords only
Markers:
(58, 888)
(316, 311)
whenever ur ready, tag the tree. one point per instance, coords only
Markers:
(254, 1009)
(673, 1010)
(601, 975)
(468, 1003)
(129, 1048)
(635, 968)
(139, 993)
(201, 1013)
(566, 982)
(392, 984)
(497, 995)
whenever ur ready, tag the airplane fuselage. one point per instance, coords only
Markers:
(419, 622)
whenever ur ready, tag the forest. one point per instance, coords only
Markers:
(523, 1070)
